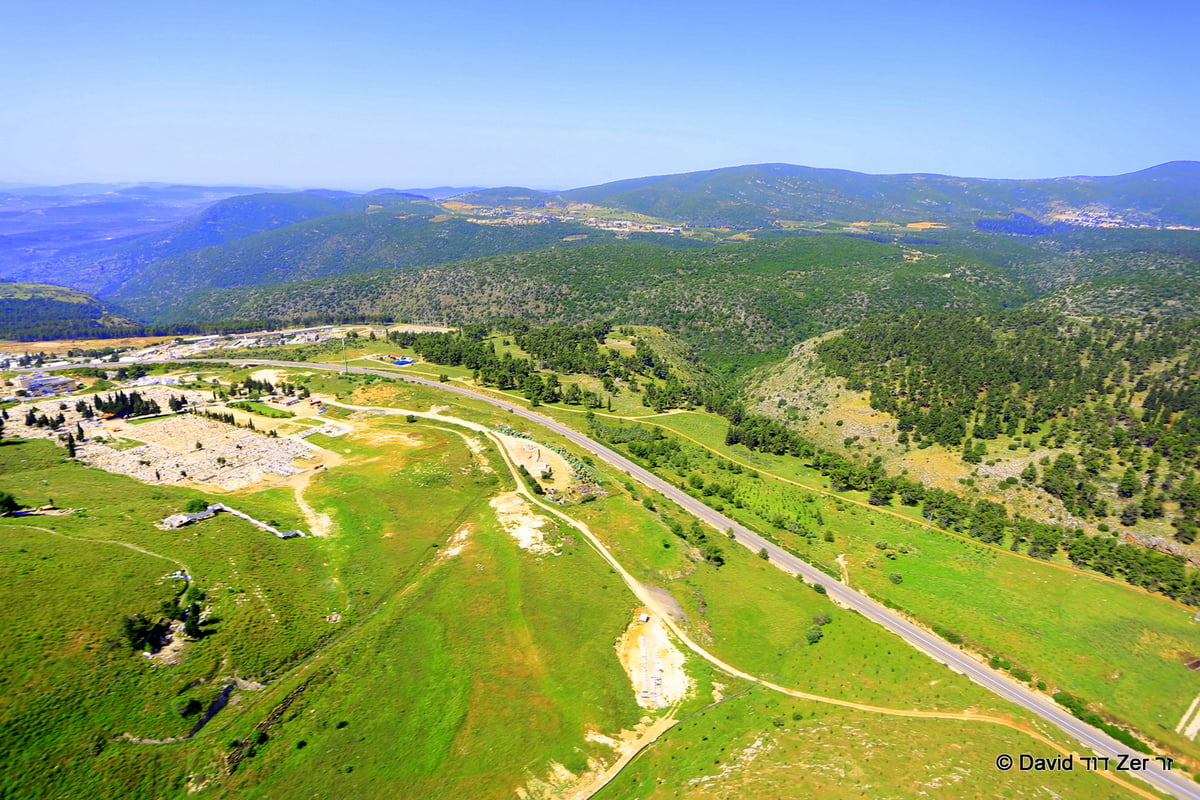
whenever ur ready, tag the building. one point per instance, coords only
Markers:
(46, 384)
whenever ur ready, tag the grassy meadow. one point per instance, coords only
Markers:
(1116, 646)
(762, 746)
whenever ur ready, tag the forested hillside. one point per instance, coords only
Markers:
(733, 302)
(333, 245)
(1102, 415)
(29, 312)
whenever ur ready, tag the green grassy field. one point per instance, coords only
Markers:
(74, 684)
(494, 666)
(1104, 640)
(429, 674)
(262, 409)
(761, 746)
(756, 618)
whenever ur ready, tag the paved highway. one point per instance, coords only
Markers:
(1172, 782)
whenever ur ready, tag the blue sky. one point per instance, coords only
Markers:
(361, 94)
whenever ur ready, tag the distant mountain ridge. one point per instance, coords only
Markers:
(759, 195)
(1079, 243)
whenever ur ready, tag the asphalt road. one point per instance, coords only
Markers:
(1171, 782)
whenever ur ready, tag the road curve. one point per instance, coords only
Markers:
(1173, 783)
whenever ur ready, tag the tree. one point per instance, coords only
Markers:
(814, 634)
(1129, 484)
(136, 629)
(8, 504)
(191, 622)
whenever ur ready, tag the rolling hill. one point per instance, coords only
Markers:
(761, 195)
(733, 302)
(31, 311)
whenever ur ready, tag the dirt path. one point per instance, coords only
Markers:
(664, 616)
(319, 524)
(657, 608)
(105, 541)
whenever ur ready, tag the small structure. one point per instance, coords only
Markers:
(176, 521)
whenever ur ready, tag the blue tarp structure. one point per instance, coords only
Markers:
(403, 362)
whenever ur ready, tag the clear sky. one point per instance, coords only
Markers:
(361, 94)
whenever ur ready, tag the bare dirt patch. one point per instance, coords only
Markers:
(375, 395)
(562, 784)
(271, 376)
(83, 344)
(653, 663)
(526, 527)
(455, 544)
(537, 458)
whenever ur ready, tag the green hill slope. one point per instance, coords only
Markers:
(1091, 421)
(372, 239)
(32, 311)
(733, 302)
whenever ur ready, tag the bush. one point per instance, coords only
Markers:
(896, 577)
(195, 506)
(814, 634)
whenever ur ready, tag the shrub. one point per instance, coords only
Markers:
(195, 505)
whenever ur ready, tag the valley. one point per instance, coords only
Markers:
(737, 483)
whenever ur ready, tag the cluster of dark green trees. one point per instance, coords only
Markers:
(126, 404)
(946, 376)
(959, 379)
(42, 319)
(561, 348)
(985, 520)
(988, 521)
(141, 632)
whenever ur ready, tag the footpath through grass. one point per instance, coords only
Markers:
(762, 746)
(491, 670)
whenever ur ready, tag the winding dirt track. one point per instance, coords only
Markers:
(1161, 778)
(648, 599)
(104, 541)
